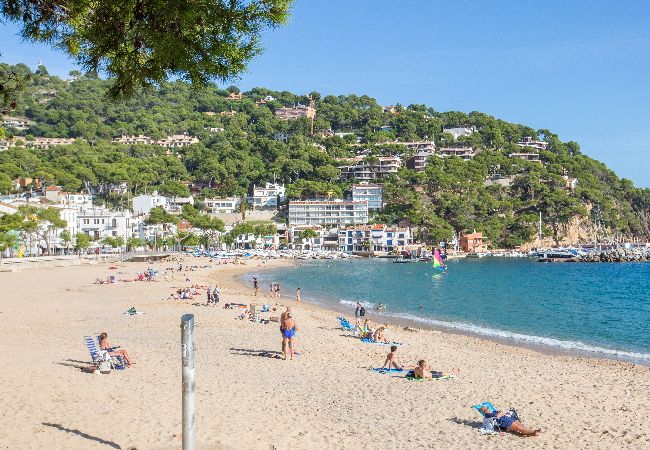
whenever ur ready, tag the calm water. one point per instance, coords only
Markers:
(602, 309)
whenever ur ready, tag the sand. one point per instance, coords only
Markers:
(246, 398)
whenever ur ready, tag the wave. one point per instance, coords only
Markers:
(364, 303)
(528, 339)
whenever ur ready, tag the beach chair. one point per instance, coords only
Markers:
(98, 355)
(345, 324)
(491, 424)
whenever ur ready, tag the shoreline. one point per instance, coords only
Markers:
(598, 353)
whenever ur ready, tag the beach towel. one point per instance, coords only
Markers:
(370, 341)
(380, 370)
(481, 405)
(410, 375)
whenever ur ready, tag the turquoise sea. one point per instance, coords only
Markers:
(598, 309)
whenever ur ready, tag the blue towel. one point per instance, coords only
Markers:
(380, 370)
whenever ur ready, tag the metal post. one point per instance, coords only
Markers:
(187, 352)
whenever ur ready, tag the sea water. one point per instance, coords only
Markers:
(601, 309)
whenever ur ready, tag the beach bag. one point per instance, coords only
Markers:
(105, 366)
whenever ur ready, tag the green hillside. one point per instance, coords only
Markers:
(452, 195)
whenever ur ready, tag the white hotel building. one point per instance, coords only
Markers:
(374, 238)
(328, 212)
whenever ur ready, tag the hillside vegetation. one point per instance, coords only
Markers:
(451, 196)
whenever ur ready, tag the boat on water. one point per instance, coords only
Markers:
(402, 260)
(476, 255)
(438, 263)
(556, 256)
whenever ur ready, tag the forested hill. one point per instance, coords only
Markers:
(493, 193)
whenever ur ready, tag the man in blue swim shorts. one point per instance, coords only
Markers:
(510, 423)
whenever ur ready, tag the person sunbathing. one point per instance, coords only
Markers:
(104, 345)
(392, 361)
(378, 336)
(509, 423)
(422, 370)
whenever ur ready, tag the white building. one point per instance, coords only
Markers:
(56, 195)
(281, 136)
(267, 196)
(374, 238)
(176, 140)
(222, 205)
(371, 193)
(457, 132)
(528, 143)
(16, 122)
(143, 204)
(465, 153)
(99, 223)
(368, 170)
(317, 212)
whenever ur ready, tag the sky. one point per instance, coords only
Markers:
(580, 69)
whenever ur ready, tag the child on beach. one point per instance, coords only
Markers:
(392, 361)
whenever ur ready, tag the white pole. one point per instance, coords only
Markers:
(187, 352)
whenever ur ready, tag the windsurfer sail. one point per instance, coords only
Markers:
(437, 261)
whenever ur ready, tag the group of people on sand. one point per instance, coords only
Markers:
(213, 295)
(422, 370)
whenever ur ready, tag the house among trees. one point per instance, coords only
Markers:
(533, 157)
(370, 168)
(529, 142)
(457, 132)
(465, 153)
(296, 112)
(473, 243)
(17, 123)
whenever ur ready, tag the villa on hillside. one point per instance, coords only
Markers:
(382, 167)
(465, 153)
(295, 113)
(457, 132)
(17, 123)
(529, 142)
(534, 157)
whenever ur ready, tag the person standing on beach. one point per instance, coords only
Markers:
(288, 335)
(256, 285)
(215, 295)
(357, 310)
(271, 288)
(209, 293)
(277, 290)
(298, 296)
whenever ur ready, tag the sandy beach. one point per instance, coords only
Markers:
(247, 398)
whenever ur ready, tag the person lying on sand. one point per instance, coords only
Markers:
(509, 423)
(422, 370)
(391, 360)
(104, 345)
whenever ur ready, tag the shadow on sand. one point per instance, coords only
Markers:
(261, 353)
(82, 434)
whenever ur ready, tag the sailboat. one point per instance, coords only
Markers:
(438, 264)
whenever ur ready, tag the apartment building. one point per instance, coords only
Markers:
(267, 196)
(465, 153)
(317, 212)
(222, 205)
(370, 169)
(371, 193)
(534, 157)
(295, 113)
(529, 142)
(17, 123)
(374, 238)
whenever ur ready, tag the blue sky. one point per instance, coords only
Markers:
(578, 68)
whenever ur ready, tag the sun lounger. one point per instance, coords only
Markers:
(97, 355)
(345, 324)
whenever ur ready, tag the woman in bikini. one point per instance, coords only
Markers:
(104, 345)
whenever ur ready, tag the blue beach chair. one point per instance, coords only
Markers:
(345, 324)
(98, 356)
